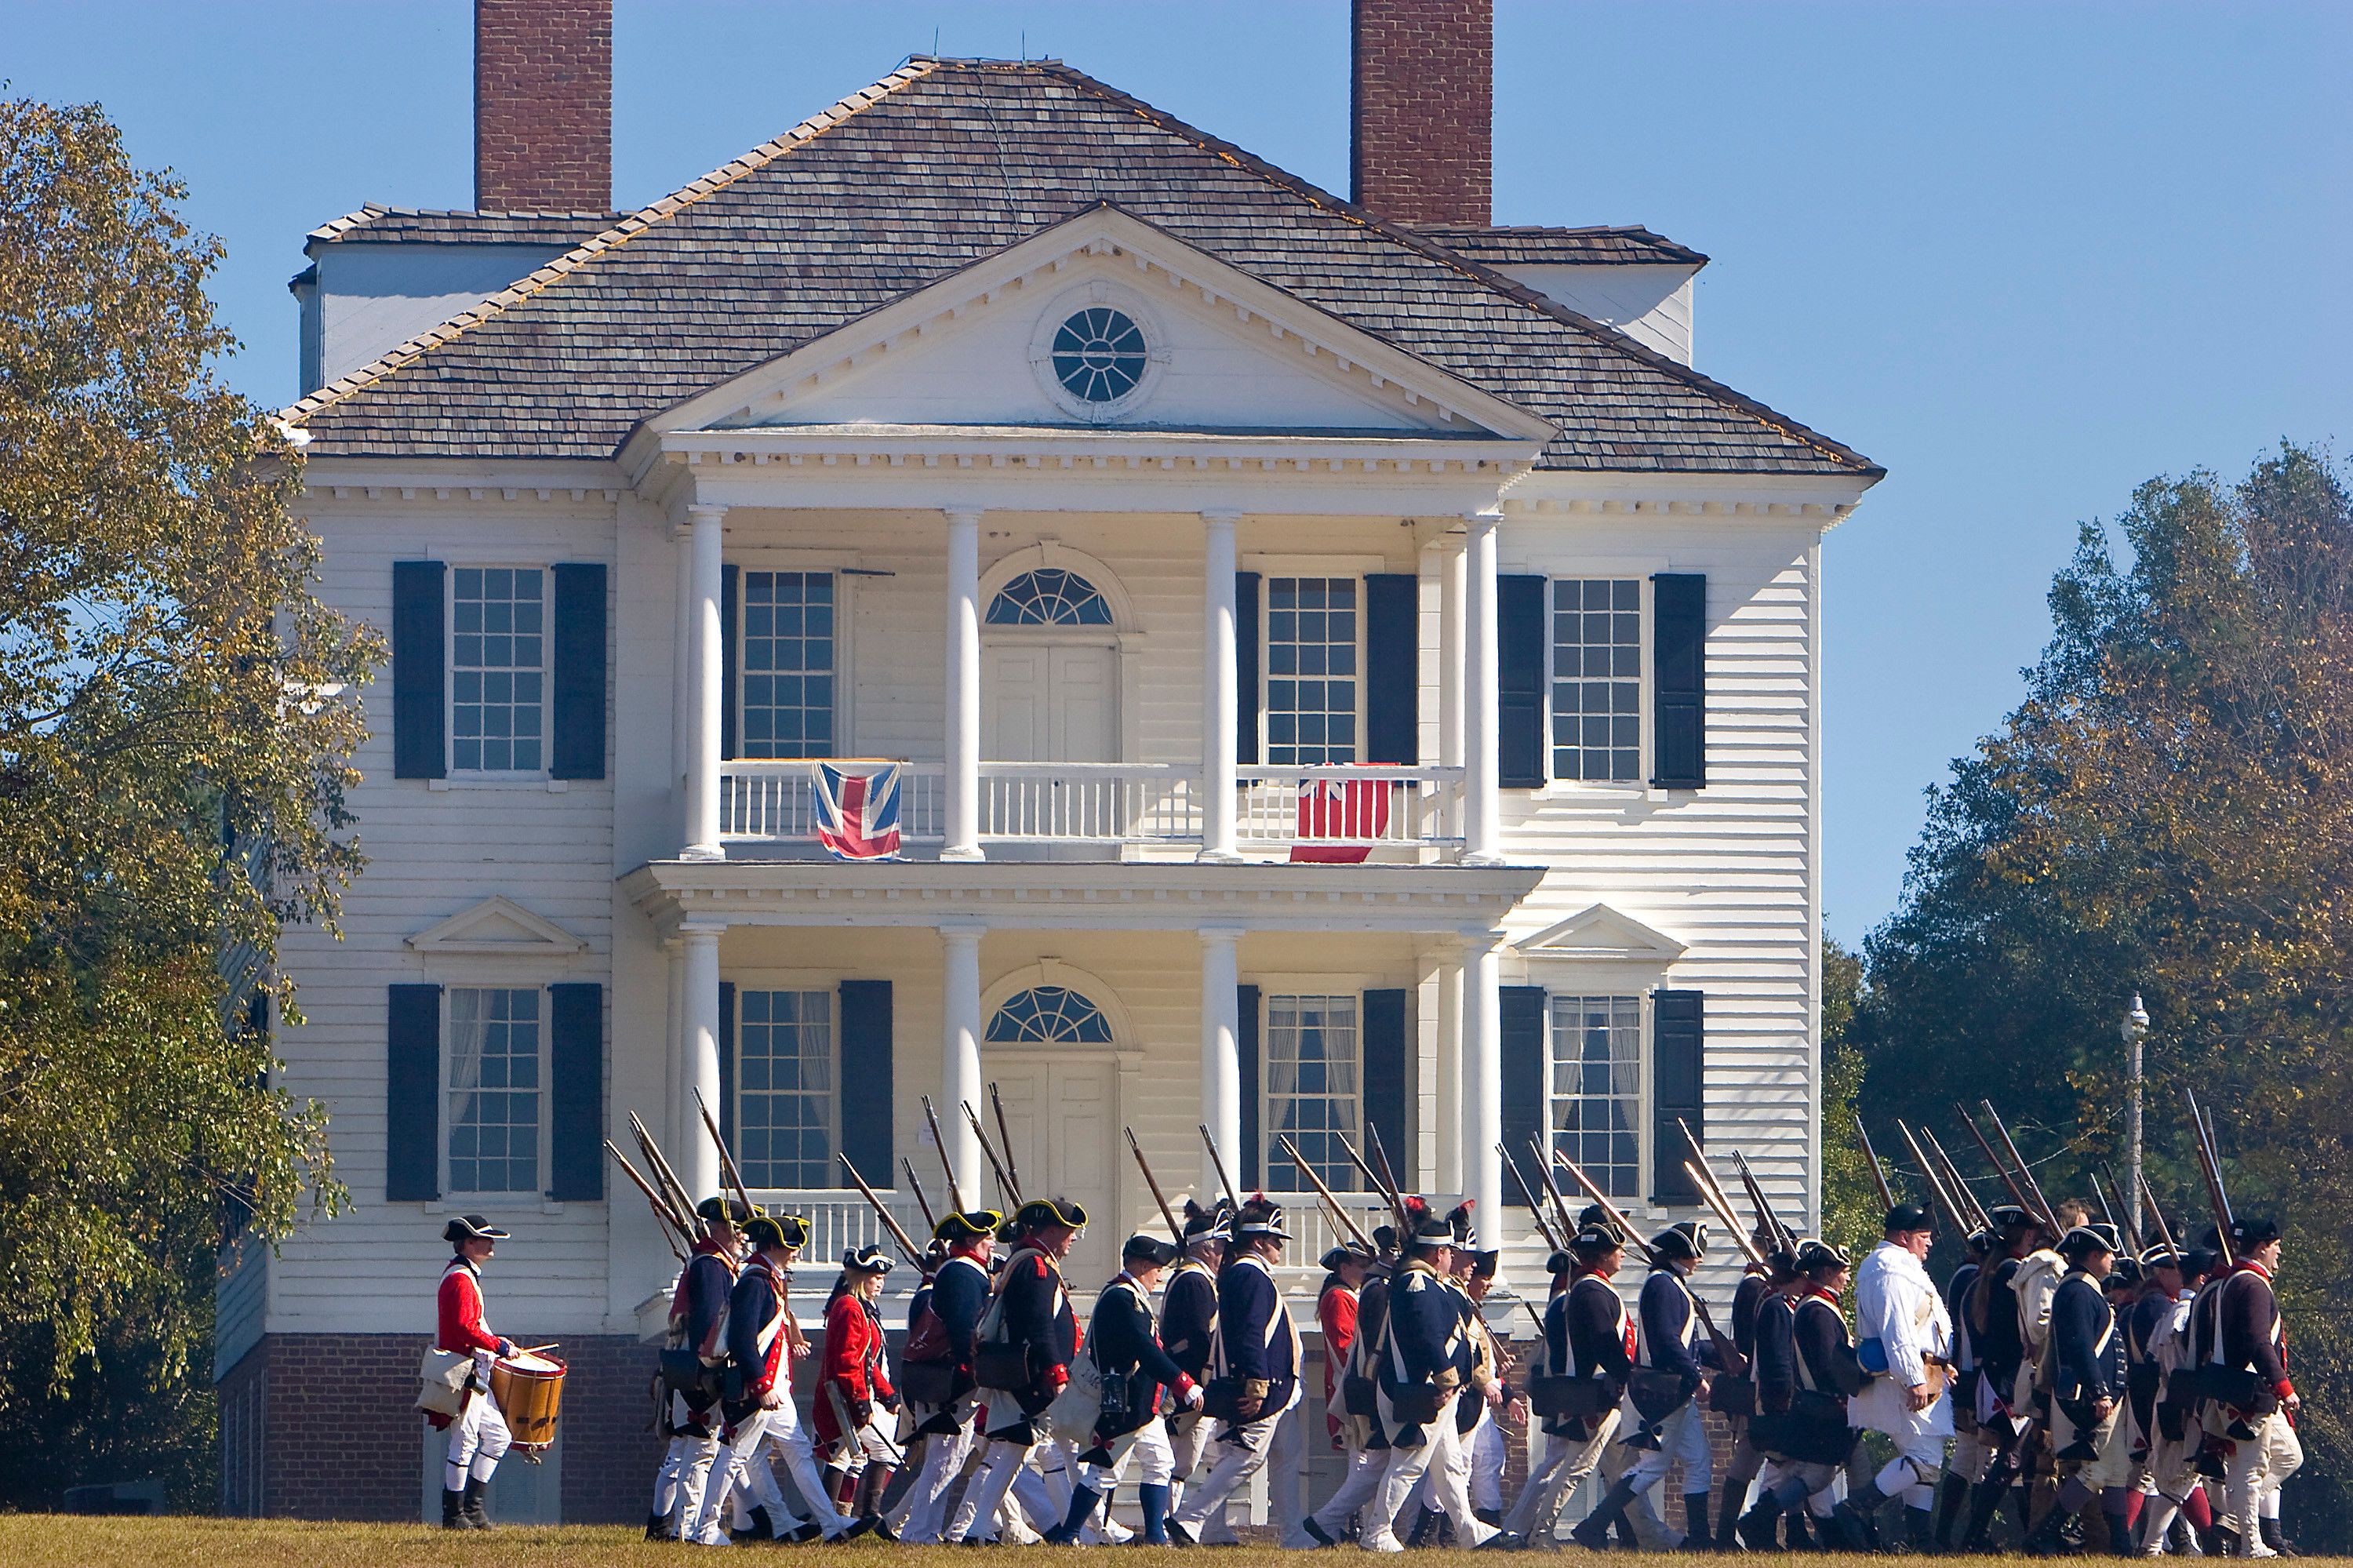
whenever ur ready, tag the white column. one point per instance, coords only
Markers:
(683, 712)
(1451, 579)
(1220, 689)
(1481, 809)
(1222, 1102)
(677, 1104)
(705, 678)
(960, 1052)
(1448, 1176)
(963, 793)
(696, 1160)
(1483, 1079)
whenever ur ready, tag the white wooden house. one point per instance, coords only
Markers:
(1135, 496)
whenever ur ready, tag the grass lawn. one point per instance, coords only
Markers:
(39, 1540)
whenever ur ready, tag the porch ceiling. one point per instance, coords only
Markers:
(1056, 895)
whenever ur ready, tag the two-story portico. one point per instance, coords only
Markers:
(1345, 677)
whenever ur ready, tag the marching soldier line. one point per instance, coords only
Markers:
(2065, 1375)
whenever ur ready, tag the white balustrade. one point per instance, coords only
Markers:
(1347, 805)
(841, 1218)
(1105, 802)
(766, 801)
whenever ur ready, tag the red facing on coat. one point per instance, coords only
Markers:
(461, 1304)
(1336, 1312)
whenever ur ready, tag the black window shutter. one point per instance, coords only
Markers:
(576, 1063)
(1246, 1176)
(1381, 1044)
(1393, 668)
(727, 1062)
(412, 1092)
(579, 706)
(731, 595)
(865, 1038)
(421, 655)
(1678, 1072)
(1524, 1072)
(1246, 668)
(1519, 683)
(1679, 685)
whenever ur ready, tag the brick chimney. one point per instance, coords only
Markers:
(543, 105)
(1421, 109)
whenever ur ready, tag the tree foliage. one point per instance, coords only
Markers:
(2169, 811)
(172, 763)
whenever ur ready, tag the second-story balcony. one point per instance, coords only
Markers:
(1126, 810)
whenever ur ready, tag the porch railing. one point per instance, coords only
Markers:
(839, 1218)
(1114, 804)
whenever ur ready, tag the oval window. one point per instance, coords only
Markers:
(1099, 355)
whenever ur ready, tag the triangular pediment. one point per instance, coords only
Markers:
(1212, 349)
(1599, 934)
(498, 927)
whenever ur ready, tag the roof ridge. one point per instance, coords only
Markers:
(1770, 418)
(620, 234)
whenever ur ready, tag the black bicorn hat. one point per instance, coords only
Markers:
(1815, 1255)
(1457, 1220)
(734, 1211)
(471, 1227)
(2096, 1235)
(1346, 1252)
(2010, 1217)
(1683, 1239)
(2159, 1255)
(1559, 1263)
(1484, 1264)
(1148, 1250)
(2247, 1234)
(1904, 1217)
(969, 1224)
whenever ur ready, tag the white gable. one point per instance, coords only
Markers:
(497, 928)
(1599, 934)
(1222, 352)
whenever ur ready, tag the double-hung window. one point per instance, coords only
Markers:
(1312, 691)
(1593, 1088)
(496, 1049)
(789, 664)
(497, 666)
(1597, 680)
(787, 1093)
(1313, 1089)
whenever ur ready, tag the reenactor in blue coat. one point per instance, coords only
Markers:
(1256, 1376)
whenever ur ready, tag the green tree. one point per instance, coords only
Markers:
(172, 760)
(2169, 810)
(1851, 1206)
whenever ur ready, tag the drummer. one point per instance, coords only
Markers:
(478, 1434)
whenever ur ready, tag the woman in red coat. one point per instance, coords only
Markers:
(853, 1391)
(477, 1436)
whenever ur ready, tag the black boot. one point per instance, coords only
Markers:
(1985, 1501)
(2226, 1542)
(1756, 1527)
(1695, 1523)
(477, 1517)
(1950, 1499)
(1920, 1531)
(1082, 1506)
(1858, 1516)
(1728, 1514)
(1593, 1534)
(2042, 1540)
(1425, 1528)
(2120, 1533)
(660, 1528)
(1796, 1528)
(2274, 1538)
(761, 1527)
(453, 1515)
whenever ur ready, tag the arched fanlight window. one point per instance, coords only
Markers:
(1048, 596)
(1049, 1015)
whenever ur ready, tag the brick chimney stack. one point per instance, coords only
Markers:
(1422, 110)
(543, 105)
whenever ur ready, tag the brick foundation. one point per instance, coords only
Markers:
(326, 1426)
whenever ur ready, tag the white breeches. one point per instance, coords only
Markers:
(2256, 1468)
(1407, 1467)
(944, 1460)
(1148, 1446)
(1565, 1464)
(478, 1440)
(1683, 1438)
(1356, 1489)
(1272, 1442)
(1912, 1474)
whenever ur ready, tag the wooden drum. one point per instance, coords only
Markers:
(529, 1389)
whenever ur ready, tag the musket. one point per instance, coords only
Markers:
(2026, 1172)
(916, 1187)
(1348, 1222)
(956, 1194)
(1702, 1175)
(726, 1161)
(1005, 1181)
(667, 1220)
(1373, 1148)
(1004, 1138)
(2164, 1230)
(1945, 1199)
(2210, 1168)
(664, 1177)
(1552, 1241)
(2121, 1215)
(1552, 1187)
(1765, 1214)
(1878, 1172)
(2017, 1192)
(1726, 1351)
(1176, 1231)
(914, 1254)
(1373, 1181)
(1218, 1163)
(1974, 1215)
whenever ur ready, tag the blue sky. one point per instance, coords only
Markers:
(2025, 256)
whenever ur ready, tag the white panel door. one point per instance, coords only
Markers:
(1061, 1119)
(1084, 691)
(1016, 705)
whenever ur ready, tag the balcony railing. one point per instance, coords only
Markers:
(1112, 806)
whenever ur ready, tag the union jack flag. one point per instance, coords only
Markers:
(858, 812)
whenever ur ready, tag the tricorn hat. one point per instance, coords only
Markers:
(2159, 1255)
(1816, 1255)
(2096, 1235)
(1148, 1250)
(471, 1227)
(1484, 1264)
(866, 1260)
(1683, 1239)
(970, 1224)
(1559, 1263)
(765, 1231)
(2248, 1235)
(1040, 1213)
(1346, 1252)
(1593, 1240)
(2010, 1217)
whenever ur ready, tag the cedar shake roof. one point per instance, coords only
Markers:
(1505, 246)
(937, 165)
(378, 225)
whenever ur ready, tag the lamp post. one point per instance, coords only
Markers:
(2134, 1030)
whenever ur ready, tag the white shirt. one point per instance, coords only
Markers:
(1897, 1304)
